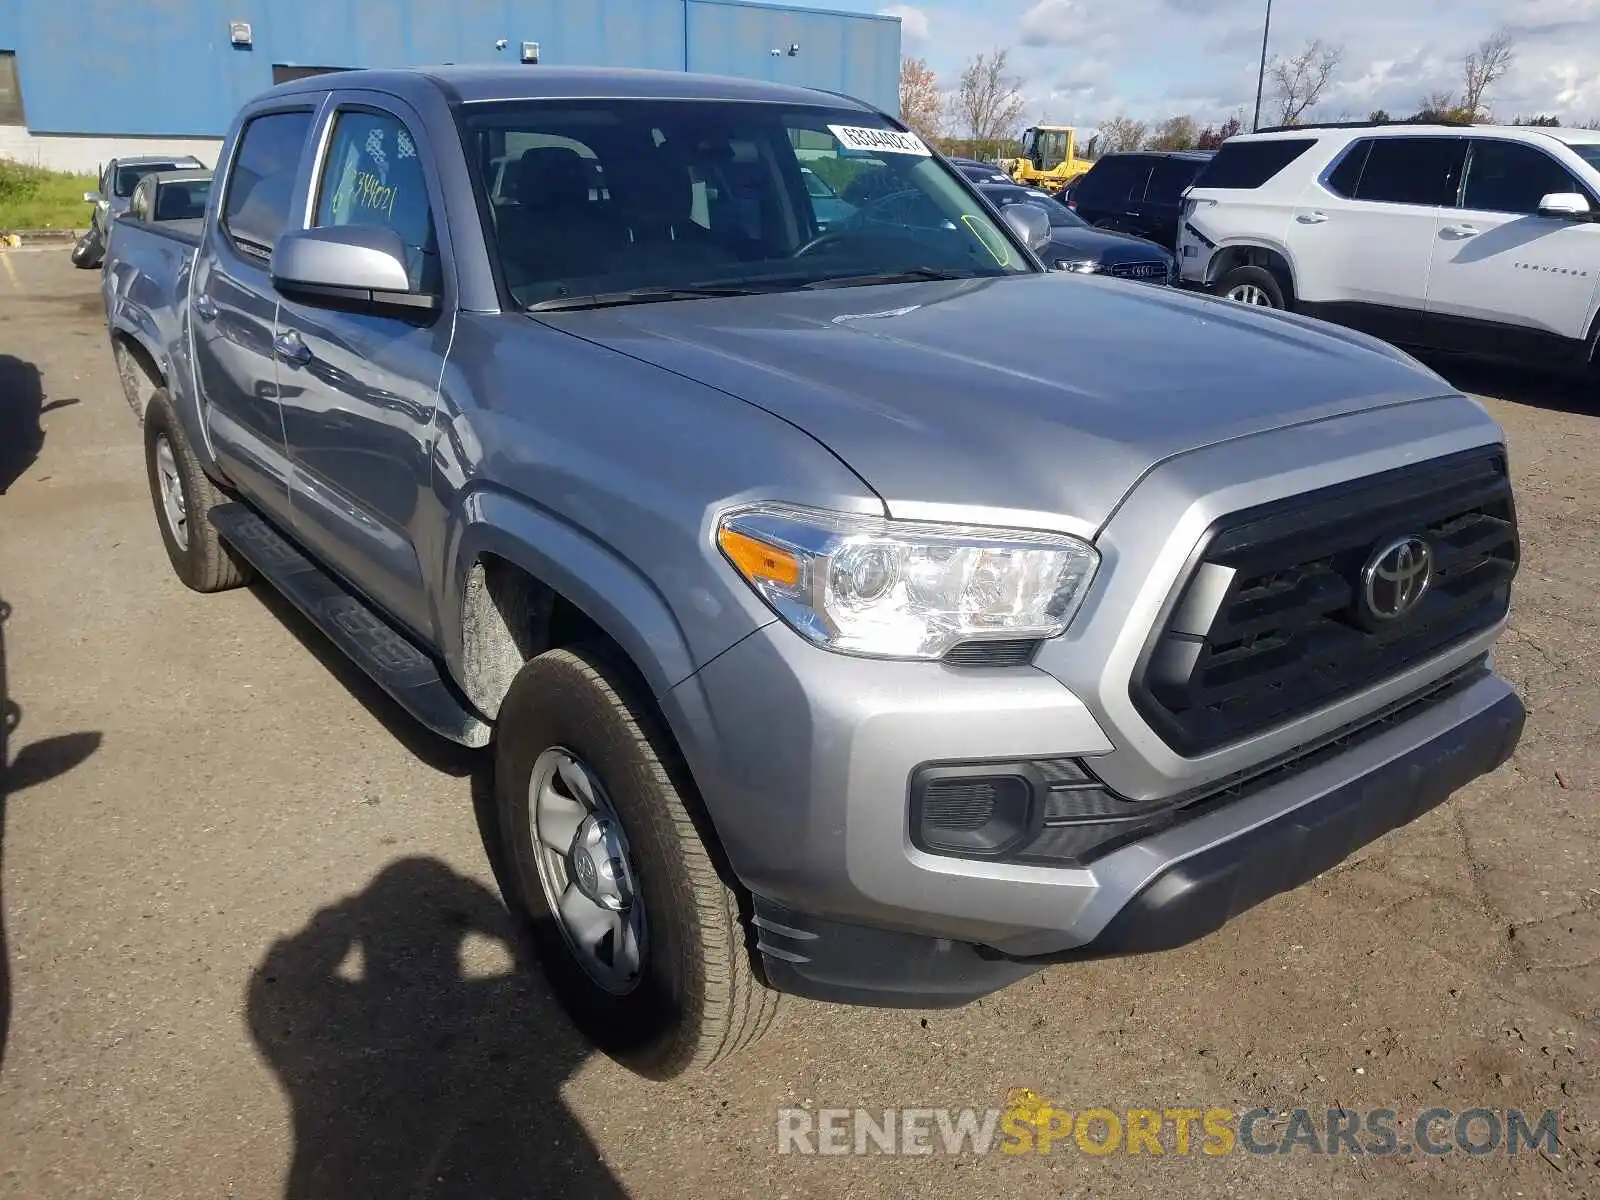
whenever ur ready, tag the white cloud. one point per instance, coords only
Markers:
(1084, 60)
(914, 28)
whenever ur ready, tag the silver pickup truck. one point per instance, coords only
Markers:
(863, 612)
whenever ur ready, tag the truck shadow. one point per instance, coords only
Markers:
(22, 403)
(1556, 392)
(36, 763)
(419, 1054)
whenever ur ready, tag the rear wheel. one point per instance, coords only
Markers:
(1255, 286)
(639, 937)
(183, 497)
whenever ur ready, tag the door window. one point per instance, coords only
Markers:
(373, 177)
(1111, 181)
(1345, 177)
(261, 180)
(1413, 170)
(1510, 177)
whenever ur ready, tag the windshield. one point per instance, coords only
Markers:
(1589, 153)
(182, 199)
(128, 177)
(593, 198)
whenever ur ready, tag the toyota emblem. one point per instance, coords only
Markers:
(1396, 578)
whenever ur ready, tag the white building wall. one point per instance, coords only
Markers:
(71, 152)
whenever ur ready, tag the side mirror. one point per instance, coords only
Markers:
(1029, 222)
(350, 266)
(1566, 206)
(91, 198)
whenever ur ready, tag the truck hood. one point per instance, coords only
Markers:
(1041, 398)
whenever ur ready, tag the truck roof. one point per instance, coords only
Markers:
(476, 84)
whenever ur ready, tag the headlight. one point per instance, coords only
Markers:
(1078, 266)
(905, 589)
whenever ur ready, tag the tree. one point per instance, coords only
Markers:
(1298, 83)
(1212, 137)
(1542, 121)
(1482, 67)
(921, 105)
(1121, 133)
(988, 101)
(1175, 133)
(1379, 116)
(1440, 108)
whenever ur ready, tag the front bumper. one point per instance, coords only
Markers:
(804, 757)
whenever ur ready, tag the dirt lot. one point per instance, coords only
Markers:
(255, 947)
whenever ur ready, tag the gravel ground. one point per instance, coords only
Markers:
(255, 948)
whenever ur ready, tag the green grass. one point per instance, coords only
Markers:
(34, 198)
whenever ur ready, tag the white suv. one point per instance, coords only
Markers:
(1479, 238)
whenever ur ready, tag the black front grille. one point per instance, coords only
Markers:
(1139, 270)
(1272, 624)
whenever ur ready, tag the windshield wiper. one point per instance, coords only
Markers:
(651, 295)
(904, 275)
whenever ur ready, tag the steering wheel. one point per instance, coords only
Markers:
(833, 237)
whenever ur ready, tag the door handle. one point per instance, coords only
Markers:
(291, 347)
(1311, 218)
(1461, 231)
(205, 308)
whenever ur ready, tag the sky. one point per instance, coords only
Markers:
(1082, 61)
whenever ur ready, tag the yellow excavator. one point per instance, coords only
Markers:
(1049, 159)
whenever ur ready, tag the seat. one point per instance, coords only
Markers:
(552, 229)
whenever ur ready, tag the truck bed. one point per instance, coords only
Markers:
(187, 230)
(144, 280)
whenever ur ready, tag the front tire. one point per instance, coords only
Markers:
(640, 938)
(1253, 286)
(183, 497)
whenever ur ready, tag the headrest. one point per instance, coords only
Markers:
(551, 177)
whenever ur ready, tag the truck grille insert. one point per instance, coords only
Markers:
(1274, 621)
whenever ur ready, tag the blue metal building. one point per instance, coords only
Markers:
(182, 67)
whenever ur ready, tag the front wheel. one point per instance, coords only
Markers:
(639, 937)
(1255, 286)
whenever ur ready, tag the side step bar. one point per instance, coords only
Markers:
(392, 660)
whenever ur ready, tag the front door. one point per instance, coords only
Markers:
(1497, 261)
(234, 308)
(358, 388)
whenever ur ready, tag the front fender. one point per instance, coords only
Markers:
(608, 589)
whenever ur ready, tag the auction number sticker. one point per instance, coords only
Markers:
(879, 141)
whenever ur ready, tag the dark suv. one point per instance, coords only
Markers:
(1138, 193)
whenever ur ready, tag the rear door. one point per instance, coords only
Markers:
(358, 388)
(1497, 261)
(1362, 236)
(234, 305)
(1106, 194)
(1157, 213)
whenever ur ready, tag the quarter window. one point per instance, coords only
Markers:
(374, 177)
(261, 180)
(1247, 165)
(1510, 177)
(1413, 170)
